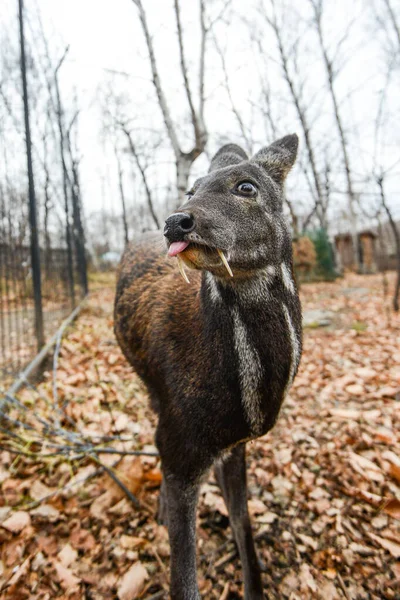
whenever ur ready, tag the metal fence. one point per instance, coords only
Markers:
(42, 250)
(19, 337)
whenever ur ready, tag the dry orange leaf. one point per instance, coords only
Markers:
(392, 508)
(153, 475)
(394, 470)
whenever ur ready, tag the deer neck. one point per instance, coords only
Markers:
(239, 293)
(259, 316)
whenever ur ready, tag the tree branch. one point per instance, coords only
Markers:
(142, 173)
(157, 82)
(195, 122)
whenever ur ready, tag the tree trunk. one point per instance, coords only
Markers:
(79, 234)
(320, 209)
(35, 251)
(47, 241)
(183, 160)
(122, 194)
(70, 265)
(396, 235)
(143, 174)
(183, 165)
(346, 159)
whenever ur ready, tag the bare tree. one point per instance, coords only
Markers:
(183, 160)
(332, 71)
(122, 193)
(236, 112)
(61, 127)
(76, 198)
(393, 21)
(47, 203)
(396, 235)
(387, 20)
(142, 171)
(320, 206)
(35, 256)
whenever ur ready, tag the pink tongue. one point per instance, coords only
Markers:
(177, 247)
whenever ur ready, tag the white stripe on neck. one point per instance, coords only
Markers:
(250, 373)
(287, 279)
(295, 349)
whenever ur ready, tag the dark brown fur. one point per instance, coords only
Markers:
(188, 343)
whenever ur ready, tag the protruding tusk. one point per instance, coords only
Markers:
(182, 269)
(226, 264)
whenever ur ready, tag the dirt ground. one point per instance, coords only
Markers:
(324, 484)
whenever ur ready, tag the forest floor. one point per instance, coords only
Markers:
(324, 485)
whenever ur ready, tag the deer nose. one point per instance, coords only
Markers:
(177, 225)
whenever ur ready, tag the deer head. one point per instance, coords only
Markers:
(233, 223)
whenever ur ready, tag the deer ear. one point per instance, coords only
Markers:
(279, 157)
(230, 154)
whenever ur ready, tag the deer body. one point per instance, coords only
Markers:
(218, 355)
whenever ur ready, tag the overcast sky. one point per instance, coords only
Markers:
(105, 36)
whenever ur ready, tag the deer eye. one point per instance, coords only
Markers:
(246, 188)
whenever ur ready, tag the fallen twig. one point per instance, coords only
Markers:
(157, 595)
(225, 559)
(343, 586)
(225, 592)
(67, 486)
(114, 477)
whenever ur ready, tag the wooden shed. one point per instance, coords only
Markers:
(366, 250)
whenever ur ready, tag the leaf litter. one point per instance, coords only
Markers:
(324, 485)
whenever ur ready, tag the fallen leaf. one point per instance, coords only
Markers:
(356, 389)
(100, 505)
(257, 507)
(132, 583)
(17, 522)
(153, 475)
(4, 512)
(366, 467)
(130, 542)
(67, 555)
(47, 512)
(130, 471)
(392, 508)
(385, 436)
(387, 392)
(308, 541)
(267, 517)
(306, 578)
(391, 457)
(394, 471)
(66, 578)
(123, 507)
(19, 572)
(38, 490)
(81, 539)
(392, 547)
(48, 544)
(365, 373)
(215, 502)
(380, 521)
(345, 413)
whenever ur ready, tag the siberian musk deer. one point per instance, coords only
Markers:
(217, 356)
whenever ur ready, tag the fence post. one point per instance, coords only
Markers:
(35, 251)
(79, 234)
(60, 120)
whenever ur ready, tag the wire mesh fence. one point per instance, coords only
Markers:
(42, 249)
(18, 336)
